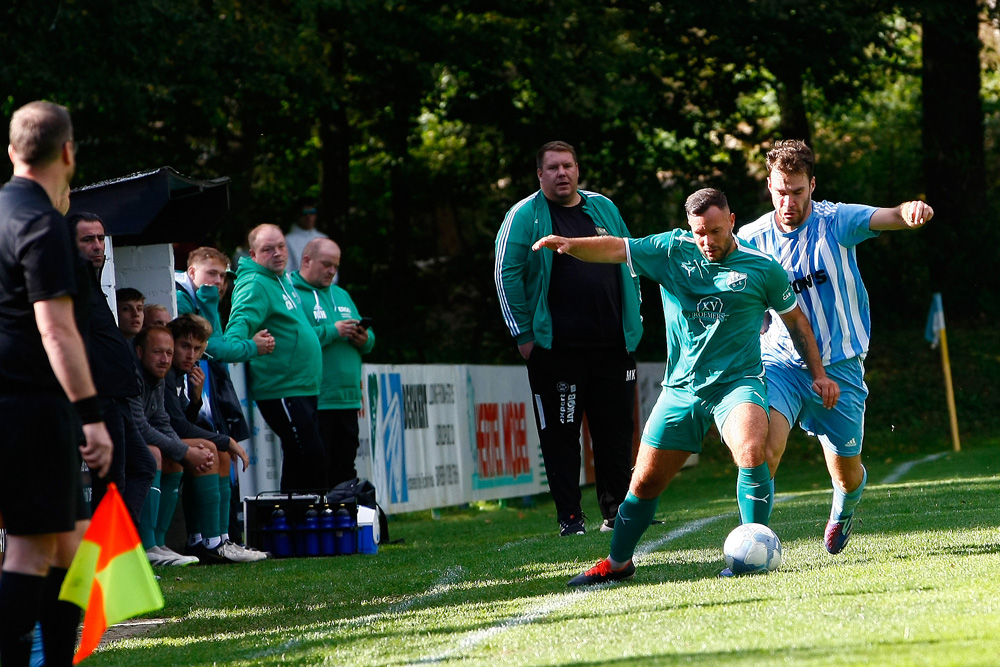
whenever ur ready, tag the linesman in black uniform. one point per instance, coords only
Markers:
(49, 408)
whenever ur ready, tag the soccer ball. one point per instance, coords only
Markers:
(752, 547)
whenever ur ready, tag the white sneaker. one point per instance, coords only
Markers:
(171, 557)
(256, 553)
(237, 554)
(155, 557)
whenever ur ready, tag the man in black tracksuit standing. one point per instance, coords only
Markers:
(576, 325)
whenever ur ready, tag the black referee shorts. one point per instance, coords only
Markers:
(40, 465)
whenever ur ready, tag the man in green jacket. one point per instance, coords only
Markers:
(576, 325)
(283, 384)
(199, 290)
(344, 338)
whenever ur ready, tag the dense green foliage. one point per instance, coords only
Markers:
(416, 125)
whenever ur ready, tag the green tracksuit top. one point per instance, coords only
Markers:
(340, 388)
(265, 300)
(522, 275)
(205, 302)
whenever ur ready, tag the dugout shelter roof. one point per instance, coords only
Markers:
(157, 206)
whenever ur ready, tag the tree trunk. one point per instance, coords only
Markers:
(335, 185)
(794, 121)
(953, 139)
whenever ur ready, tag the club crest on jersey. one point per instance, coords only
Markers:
(601, 231)
(736, 281)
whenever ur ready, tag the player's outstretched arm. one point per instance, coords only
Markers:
(908, 215)
(805, 343)
(601, 249)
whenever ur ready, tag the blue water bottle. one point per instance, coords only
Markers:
(327, 545)
(343, 534)
(279, 534)
(311, 532)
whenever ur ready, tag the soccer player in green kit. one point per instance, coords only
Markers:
(715, 292)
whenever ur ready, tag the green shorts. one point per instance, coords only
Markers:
(681, 419)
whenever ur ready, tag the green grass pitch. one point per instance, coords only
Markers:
(486, 585)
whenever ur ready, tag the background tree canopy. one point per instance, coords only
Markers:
(416, 124)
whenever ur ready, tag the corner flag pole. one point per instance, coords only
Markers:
(935, 332)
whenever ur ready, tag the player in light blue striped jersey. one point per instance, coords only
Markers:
(815, 243)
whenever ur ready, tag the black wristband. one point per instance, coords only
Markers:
(89, 410)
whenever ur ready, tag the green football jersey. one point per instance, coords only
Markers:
(713, 310)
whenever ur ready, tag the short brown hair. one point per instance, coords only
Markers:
(143, 336)
(791, 156)
(125, 294)
(207, 254)
(554, 147)
(702, 200)
(189, 324)
(38, 131)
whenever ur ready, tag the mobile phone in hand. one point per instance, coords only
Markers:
(365, 322)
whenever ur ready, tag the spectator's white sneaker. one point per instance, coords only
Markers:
(170, 557)
(241, 553)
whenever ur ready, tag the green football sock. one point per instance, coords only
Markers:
(844, 503)
(770, 506)
(225, 495)
(206, 494)
(170, 484)
(150, 510)
(634, 516)
(190, 506)
(753, 494)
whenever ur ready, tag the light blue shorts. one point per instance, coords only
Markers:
(681, 419)
(841, 429)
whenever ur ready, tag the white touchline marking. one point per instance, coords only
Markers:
(904, 468)
(450, 577)
(444, 583)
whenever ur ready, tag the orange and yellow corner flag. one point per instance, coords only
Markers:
(110, 577)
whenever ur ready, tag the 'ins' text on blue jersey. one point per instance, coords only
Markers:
(713, 310)
(820, 258)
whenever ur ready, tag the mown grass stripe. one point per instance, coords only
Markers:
(540, 611)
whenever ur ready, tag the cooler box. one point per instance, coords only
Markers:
(368, 530)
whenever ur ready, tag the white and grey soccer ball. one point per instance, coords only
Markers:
(752, 547)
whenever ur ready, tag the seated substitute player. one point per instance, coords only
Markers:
(155, 348)
(815, 243)
(155, 313)
(207, 519)
(130, 311)
(715, 292)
